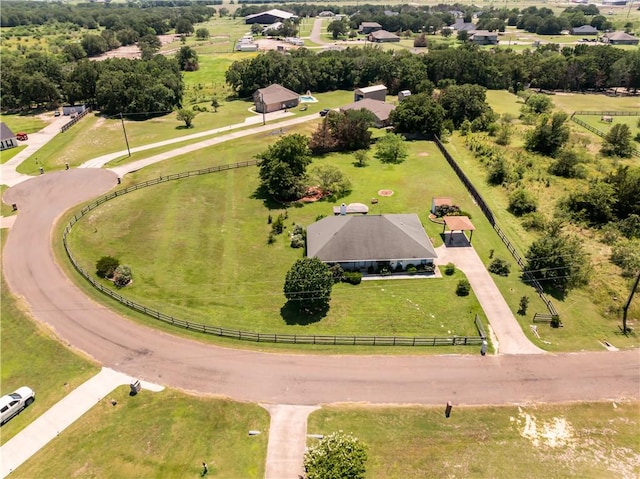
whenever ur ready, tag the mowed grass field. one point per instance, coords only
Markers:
(199, 251)
(590, 441)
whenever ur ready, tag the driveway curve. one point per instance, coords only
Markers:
(155, 356)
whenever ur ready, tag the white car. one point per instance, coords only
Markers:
(12, 404)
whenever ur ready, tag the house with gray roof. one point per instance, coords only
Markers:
(7, 137)
(357, 242)
(380, 110)
(484, 37)
(273, 98)
(619, 38)
(368, 27)
(584, 30)
(383, 36)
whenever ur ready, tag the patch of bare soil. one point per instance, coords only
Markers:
(312, 195)
(385, 192)
(423, 153)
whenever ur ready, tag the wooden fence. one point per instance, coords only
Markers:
(489, 215)
(75, 120)
(249, 335)
(600, 133)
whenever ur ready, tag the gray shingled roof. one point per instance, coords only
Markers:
(368, 238)
(380, 109)
(5, 132)
(275, 94)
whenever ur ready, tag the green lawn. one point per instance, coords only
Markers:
(603, 126)
(6, 155)
(571, 102)
(5, 209)
(589, 440)
(217, 217)
(166, 434)
(29, 123)
(28, 352)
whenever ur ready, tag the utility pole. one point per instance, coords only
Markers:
(264, 121)
(125, 134)
(628, 303)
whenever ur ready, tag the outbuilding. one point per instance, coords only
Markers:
(73, 110)
(484, 37)
(375, 92)
(273, 98)
(584, 30)
(619, 38)
(268, 17)
(368, 27)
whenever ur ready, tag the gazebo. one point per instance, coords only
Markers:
(458, 223)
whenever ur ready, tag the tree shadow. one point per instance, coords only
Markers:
(268, 201)
(294, 316)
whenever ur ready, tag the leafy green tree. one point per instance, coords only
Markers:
(94, 45)
(568, 164)
(626, 184)
(462, 36)
(223, 12)
(106, 266)
(463, 288)
(351, 129)
(558, 261)
(187, 116)
(187, 59)
(202, 33)
(308, 285)
(538, 103)
(338, 28)
(464, 102)
(74, 52)
(331, 180)
(336, 456)
(184, 26)
(549, 136)
(522, 202)
(626, 255)
(420, 41)
(500, 267)
(595, 206)
(122, 275)
(523, 306)
(362, 159)
(446, 32)
(391, 148)
(215, 104)
(283, 167)
(618, 141)
(418, 114)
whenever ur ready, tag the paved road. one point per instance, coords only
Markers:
(143, 352)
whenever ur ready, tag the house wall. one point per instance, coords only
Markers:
(363, 266)
(68, 109)
(264, 20)
(8, 143)
(270, 107)
(375, 95)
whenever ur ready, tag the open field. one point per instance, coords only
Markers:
(589, 440)
(631, 121)
(29, 123)
(6, 155)
(28, 350)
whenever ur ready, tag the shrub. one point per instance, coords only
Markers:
(522, 202)
(299, 230)
(626, 255)
(500, 267)
(337, 272)
(297, 241)
(534, 221)
(449, 269)
(352, 277)
(106, 266)
(122, 276)
(411, 269)
(524, 304)
(385, 271)
(271, 239)
(463, 288)
(398, 268)
(277, 227)
(446, 210)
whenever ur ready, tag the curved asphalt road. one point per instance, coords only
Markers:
(143, 352)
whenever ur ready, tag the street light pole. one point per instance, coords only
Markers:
(125, 134)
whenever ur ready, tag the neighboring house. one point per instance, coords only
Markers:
(619, 38)
(460, 25)
(326, 13)
(273, 98)
(391, 13)
(73, 110)
(383, 36)
(484, 37)
(376, 92)
(360, 241)
(268, 17)
(7, 137)
(381, 110)
(584, 30)
(368, 27)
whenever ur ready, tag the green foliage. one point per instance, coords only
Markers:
(466, 102)
(187, 116)
(534, 221)
(346, 131)
(558, 261)
(308, 284)
(106, 266)
(595, 206)
(122, 276)
(500, 267)
(618, 141)
(202, 33)
(338, 28)
(391, 148)
(447, 210)
(336, 272)
(283, 167)
(503, 136)
(187, 59)
(523, 305)
(549, 136)
(420, 41)
(630, 226)
(215, 104)
(522, 202)
(449, 269)
(568, 164)
(352, 277)
(418, 114)
(297, 241)
(626, 254)
(277, 226)
(362, 158)
(337, 456)
(330, 180)
(538, 103)
(463, 288)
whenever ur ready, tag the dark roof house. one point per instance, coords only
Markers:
(268, 17)
(7, 137)
(619, 38)
(368, 27)
(274, 97)
(484, 37)
(383, 36)
(584, 30)
(359, 241)
(381, 110)
(460, 25)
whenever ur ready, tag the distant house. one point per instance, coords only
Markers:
(383, 36)
(268, 17)
(381, 110)
(368, 27)
(357, 242)
(461, 25)
(484, 37)
(73, 110)
(326, 13)
(619, 38)
(273, 98)
(7, 137)
(376, 92)
(391, 13)
(584, 30)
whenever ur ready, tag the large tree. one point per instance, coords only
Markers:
(187, 59)
(283, 167)
(391, 148)
(549, 136)
(419, 114)
(618, 141)
(338, 28)
(464, 102)
(336, 456)
(308, 285)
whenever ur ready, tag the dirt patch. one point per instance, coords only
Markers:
(385, 192)
(423, 153)
(132, 51)
(312, 195)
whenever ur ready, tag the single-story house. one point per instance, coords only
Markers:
(461, 25)
(357, 242)
(273, 98)
(383, 36)
(368, 27)
(619, 38)
(375, 92)
(584, 30)
(73, 110)
(7, 137)
(381, 110)
(326, 13)
(269, 17)
(484, 37)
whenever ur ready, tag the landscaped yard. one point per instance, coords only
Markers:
(592, 440)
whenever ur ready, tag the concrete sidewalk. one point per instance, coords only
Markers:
(61, 415)
(287, 440)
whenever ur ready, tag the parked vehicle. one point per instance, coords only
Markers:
(324, 112)
(22, 136)
(12, 404)
(57, 113)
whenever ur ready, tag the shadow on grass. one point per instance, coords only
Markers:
(294, 316)
(262, 194)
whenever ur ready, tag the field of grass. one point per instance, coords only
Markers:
(29, 123)
(28, 349)
(6, 155)
(166, 434)
(590, 441)
(630, 121)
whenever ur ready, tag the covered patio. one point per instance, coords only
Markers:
(457, 223)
